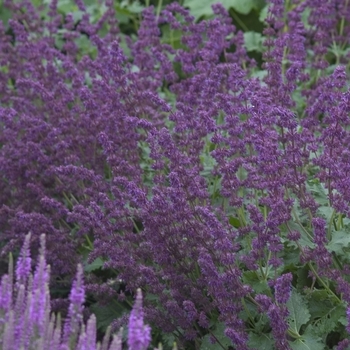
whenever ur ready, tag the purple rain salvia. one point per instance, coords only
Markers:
(26, 321)
(207, 185)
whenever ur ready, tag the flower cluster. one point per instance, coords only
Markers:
(26, 321)
(217, 184)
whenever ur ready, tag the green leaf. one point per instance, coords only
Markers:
(68, 6)
(308, 341)
(134, 6)
(340, 240)
(253, 41)
(5, 14)
(304, 240)
(244, 7)
(260, 341)
(172, 37)
(250, 312)
(106, 314)
(318, 191)
(220, 335)
(326, 212)
(263, 13)
(329, 321)
(298, 311)
(291, 258)
(95, 265)
(168, 339)
(258, 285)
(199, 8)
(303, 280)
(234, 222)
(260, 74)
(208, 163)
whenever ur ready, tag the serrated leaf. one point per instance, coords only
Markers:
(219, 333)
(340, 240)
(260, 341)
(328, 322)
(291, 258)
(308, 341)
(298, 311)
(319, 295)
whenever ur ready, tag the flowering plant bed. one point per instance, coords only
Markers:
(216, 183)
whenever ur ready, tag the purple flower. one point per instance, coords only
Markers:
(139, 334)
(279, 325)
(283, 288)
(344, 344)
(348, 318)
(23, 266)
(75, 316)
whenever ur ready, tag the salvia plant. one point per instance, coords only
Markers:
(215, 183)
(27, 323)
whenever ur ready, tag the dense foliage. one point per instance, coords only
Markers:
(214, 179)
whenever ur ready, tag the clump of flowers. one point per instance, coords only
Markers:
(26, 321)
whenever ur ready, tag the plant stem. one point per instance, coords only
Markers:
(159, 7)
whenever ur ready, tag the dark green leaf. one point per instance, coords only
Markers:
(218, 332)
(106, 314)
(234, 222)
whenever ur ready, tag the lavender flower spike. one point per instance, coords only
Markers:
(75, 318)
(139, 336)
(23, 266)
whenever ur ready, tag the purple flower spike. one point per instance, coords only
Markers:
(283, 288)
(75, 317)
(23, 267)
(348, 318)
(139, 333)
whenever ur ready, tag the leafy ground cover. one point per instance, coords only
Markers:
(199, 157)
